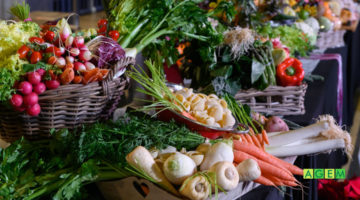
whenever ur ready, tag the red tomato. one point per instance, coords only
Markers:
(49, 36)
(102, 22)
(114, 35)
(52, 60)
(35, 57)
(54, 50)
(23, 51)
(36, 40)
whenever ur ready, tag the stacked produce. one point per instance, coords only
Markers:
(223, 47)
(58, 57)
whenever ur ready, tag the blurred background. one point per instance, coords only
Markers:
(88, 12)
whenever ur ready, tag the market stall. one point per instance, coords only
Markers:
(215, 80)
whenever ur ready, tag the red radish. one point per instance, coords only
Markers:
(16, 84)
(64, 29)
(25, 87)
(85, 55)
(34, 78)
(83, 48)
(62, 50)
(52, 84)
(78, 41)
(60, 62)
(69, 41)
(16, 100)
(89, 66)
(20, 109)
(78, 66)
(41, 71)
(70, 59)
(34, 110)
(31, 99)
(39, 88)
(74, 52)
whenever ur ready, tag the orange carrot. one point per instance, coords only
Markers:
(290, 183)
(259, 137)
(255, 141)
(267, 169)
(264, 181)
(243, 139)
(188, 115)
(260, 154)
(248, 138)
(275, 180)
(265, 137)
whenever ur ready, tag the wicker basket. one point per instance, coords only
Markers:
(275, 100)
(331, 39)
(66, 107)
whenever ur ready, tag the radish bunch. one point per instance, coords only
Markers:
(27, 97)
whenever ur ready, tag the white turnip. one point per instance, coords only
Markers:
(227, 176)
(196, 187)
(178, 167)
(218, 152)
(141, 159)
(248, 170)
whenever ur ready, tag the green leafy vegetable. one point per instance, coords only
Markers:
(292, 37)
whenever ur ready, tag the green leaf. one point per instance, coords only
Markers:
(257, 69)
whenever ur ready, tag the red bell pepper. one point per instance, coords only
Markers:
(290, 72)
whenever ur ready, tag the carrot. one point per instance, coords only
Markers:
(264, 181)
(258, 153)
(67, 76)
(267, 169)
(188, 115)
(255, 141)
(265, 137)
(77, 79)
(248, 138)
(259, 137)
(243, 139)
(290, 183)
(275, 180)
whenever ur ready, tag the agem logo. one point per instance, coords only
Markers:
(324, 174)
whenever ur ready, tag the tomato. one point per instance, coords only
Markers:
(54, 50)
(36, 40)
(49, 36)
(52, 60)
(102, 23)
(23, 51)
(114, 35)
(35, 57)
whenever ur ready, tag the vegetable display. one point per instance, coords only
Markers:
(62, 164)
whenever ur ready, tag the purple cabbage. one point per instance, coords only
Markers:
(109, 52)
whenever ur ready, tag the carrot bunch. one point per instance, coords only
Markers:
(274, 171)
(258, 140)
